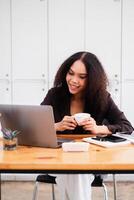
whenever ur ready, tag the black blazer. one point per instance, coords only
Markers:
(111, 116)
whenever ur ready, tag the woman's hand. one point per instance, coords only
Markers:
(67, 123)
(90, 125)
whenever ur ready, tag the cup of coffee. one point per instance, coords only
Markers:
(80, 117)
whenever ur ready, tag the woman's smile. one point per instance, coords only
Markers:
(73, 87)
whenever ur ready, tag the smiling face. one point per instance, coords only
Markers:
(76, 78)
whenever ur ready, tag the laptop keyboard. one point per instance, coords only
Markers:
(61, 140)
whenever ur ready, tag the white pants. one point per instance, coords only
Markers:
(74, 186)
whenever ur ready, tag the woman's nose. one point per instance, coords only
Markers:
(74, 79)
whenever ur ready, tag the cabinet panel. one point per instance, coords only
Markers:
(5, 92)
(128, 100)
(29, 39)
(5, 47)
(28, 92)
(66, 32)
(128, 59)
(5, 52)
(128, 40)
(103, 37)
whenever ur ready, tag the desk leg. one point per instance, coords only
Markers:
(0, 186)
(115, 187)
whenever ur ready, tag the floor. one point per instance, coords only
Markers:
(11, 190)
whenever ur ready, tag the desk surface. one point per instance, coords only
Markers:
(115, 159)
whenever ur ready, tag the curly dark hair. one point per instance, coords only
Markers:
(96, 88)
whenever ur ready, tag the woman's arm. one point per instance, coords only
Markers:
(116, 121)
(90, 125)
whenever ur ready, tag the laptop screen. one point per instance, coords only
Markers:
(35, 123)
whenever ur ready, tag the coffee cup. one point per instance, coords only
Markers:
(80, 117)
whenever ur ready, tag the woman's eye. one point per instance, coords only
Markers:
(83, 77)
(70, 73)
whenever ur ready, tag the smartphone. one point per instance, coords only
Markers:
(110, 138)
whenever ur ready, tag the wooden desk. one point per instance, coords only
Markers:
(96, 160)
(43, 160)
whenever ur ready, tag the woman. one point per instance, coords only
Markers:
(81, 86)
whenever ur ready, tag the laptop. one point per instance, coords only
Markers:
(35, 123)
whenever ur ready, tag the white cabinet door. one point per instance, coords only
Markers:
(103, 38)
(128, 59)
(5, 52)
(29, 48)
(66, 32)
(31, 92)
(5, 92)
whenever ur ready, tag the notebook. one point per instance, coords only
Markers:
(35, 123)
